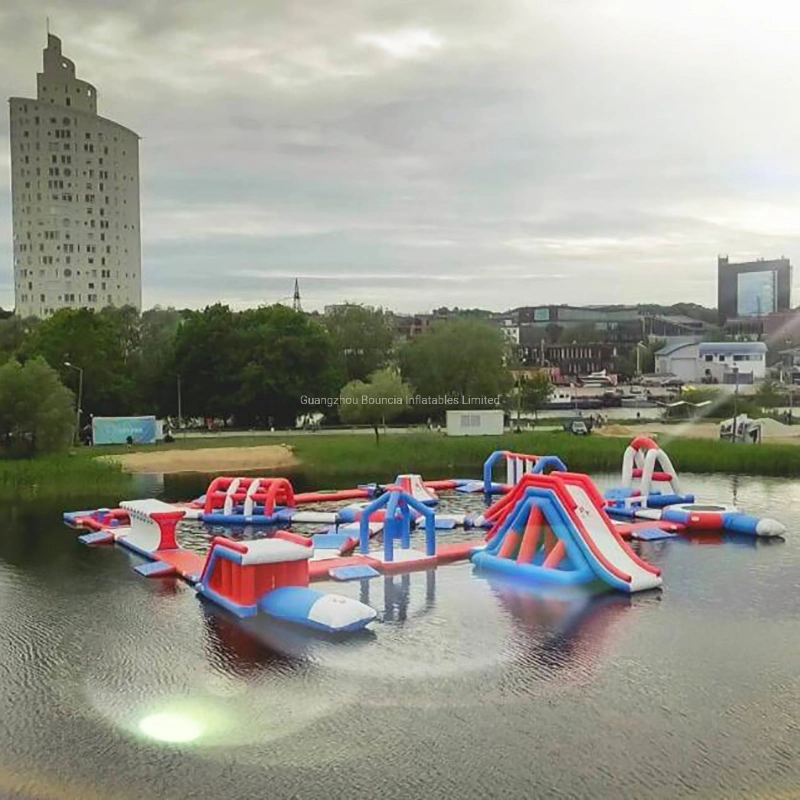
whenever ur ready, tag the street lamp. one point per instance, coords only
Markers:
(79, 370)
(735, 401)
(180, 414)
(790, 360)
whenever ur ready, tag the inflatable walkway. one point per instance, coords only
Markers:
(553, 528)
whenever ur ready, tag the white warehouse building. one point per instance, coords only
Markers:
(725, 363)
(75, 197)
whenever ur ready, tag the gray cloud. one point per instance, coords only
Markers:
(415, 155)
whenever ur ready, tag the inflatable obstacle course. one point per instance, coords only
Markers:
(645, 466)
(240, 577)
(548, 526)
(553, 528)
(648, 478)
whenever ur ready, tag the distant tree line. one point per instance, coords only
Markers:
(257, 367)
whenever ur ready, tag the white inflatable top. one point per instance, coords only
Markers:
(274, 551)
(148, 507)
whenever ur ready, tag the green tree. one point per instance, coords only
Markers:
(288, 357)
(209, 358)
(462, 357)
(380, 400)
(125, 322)
(715, 404)
(255, 365)
(641, 357)
(37, 413)
(362, 338)
(769, 394)
(534, 392)
(13, 333)
(98, 344)
(155, 372)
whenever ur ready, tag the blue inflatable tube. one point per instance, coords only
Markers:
(727, 520)
(623, 512)
(530, 572)
(347, 515)
(661, 500)
(241, 519)
(740, 523)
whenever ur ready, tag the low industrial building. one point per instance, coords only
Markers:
(723, 363)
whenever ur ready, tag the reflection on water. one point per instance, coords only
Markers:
(466, 687)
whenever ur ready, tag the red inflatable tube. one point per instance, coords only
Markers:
(643, 443)
(657, 476)
(348, 548)
(338, 494)
(294, 537)
(707, 521)
(627, 529)
(89, 522)
(442, 485)
(229, 543)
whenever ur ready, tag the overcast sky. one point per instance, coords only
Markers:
(448, 152)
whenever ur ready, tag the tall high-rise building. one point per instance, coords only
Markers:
(75, 197)
(753, 288)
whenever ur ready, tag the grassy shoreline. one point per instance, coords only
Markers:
(435, 455)
(438, 456)
(325, 458)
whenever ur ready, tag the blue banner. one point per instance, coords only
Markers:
(116, 430)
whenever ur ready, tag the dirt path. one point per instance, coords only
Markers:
(208, 459)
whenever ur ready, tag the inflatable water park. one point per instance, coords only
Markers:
(541, 526)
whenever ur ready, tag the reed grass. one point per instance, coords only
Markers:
(434, 455)
(67, 475)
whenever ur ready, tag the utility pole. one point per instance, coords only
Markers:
(735, 402)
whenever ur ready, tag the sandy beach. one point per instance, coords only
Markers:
(208, 459)
(772, 431)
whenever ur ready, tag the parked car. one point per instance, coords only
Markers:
(577, 426)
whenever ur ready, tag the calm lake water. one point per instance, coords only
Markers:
(467, 688)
